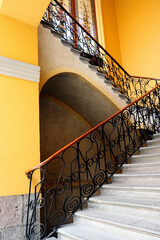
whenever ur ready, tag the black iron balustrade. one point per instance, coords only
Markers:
(73, 174)
(60, 20)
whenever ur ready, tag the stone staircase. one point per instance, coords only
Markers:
(127, 209)
(52, 43)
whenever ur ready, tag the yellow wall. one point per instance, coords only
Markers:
(110, 29)
(18, 40)
(139, 34)
(19, 106)
(19, 131)
(132, 33)
(27, 11)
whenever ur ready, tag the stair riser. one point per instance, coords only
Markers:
(156, 136)
(140, 181)
(145, 159)
(117, 230)
(146, 194)
(63, 237)
(126, 209)
(148, 151)
(153, 143)
(127, 170)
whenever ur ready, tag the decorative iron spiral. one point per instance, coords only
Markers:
(87, 189)
(71, 203)
(156, 122)
(37, 230)
(99, 178)
(60, 189)
(111, 166)
(97, 135)
(116, 120)
(56, 219)
(120, 158)
(75, 176)
(90, 162)
(137, 142)
(126, 115)
(82, 167)
(130, 148)
(132, 108)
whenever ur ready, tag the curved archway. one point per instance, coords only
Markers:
(69, 107)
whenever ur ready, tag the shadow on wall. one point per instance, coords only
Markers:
(68, 108)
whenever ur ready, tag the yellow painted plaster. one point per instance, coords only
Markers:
(18, 40)
(19, 130)
(139, 34)
(111, 33)
(27, 11)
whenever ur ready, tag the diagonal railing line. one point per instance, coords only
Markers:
(60, 20)
(98, 44)
(88, 132)
(73, 174)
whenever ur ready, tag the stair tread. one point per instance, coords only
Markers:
(141, 202)
(146, 155)
(153, 140)
(149, 147)
(137, 175)
(82, 232)
(156, 135)
(133, 187)
(127, 221)
(141, 164)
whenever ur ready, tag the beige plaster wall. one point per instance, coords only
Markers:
(59, 125)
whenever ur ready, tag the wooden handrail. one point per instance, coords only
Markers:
(85, 134)
(146, 78)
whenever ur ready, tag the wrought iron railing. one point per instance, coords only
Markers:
(60, 20)
(72, 175)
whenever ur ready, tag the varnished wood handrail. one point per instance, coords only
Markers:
(85, 134)
(146, 78)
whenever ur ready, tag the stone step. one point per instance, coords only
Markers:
(66, 43)
(131, 191)
(156, 136)
(108, 82)
(145, 158)
(116, 89)
(131, 227)
(84, 59)
(101, 74)
(76, 50)
(83, 232)
(93, 67)
(153, 142)
(151, 167)
(137, 179)
(51, 238)
(150, 149)
(140, 207)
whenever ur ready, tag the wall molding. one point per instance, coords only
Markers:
(14, 68)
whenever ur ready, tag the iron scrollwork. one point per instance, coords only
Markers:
(86, 165)
(59, 20)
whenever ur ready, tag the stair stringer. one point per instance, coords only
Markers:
(56, 56)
